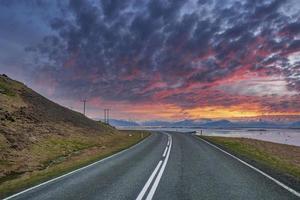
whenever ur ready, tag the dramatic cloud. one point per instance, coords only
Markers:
(231, 58)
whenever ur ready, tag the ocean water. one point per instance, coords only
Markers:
(283, 136)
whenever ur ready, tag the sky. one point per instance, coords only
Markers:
(157, 59)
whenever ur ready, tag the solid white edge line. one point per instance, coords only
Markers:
(77, 170)
(258, 170)
(160, 173)
(149, 181)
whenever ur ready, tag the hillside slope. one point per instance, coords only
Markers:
(21, 109)
(36, 133)
(26, 116)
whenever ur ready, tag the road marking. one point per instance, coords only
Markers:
(157, 180)
(157, 171)
(258, 170)
(77, 170)
(165, 152)
(145, 188)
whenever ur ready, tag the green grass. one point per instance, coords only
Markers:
(255, 152)
(57, 149)
(58, 146)
(10, 99)
(20, 182)
(5, 89)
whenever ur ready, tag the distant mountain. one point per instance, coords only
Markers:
(156, 123)
(295, 125)
(117, 122)
(184, 123)
(219, 124)
(209, 123)
(191, 123)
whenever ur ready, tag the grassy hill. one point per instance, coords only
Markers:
(40, 139)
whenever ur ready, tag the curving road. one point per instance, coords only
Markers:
(164, 166)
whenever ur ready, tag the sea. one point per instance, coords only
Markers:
(282, 136)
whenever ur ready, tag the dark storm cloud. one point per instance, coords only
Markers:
(136, 50)
(281, 104)
(294, 46)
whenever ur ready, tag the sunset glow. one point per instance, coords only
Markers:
(158, 60)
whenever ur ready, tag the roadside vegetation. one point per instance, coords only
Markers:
(56, 155)
(40, 139)
(280, 159)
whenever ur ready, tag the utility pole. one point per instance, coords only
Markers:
(106, 115)
(84, 102)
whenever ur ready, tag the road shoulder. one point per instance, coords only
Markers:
(253, 154)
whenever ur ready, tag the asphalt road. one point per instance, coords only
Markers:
(164, 166)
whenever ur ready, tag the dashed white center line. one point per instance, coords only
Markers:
(159, 170)
(165, 152)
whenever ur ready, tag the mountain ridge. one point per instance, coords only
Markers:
(209, 123)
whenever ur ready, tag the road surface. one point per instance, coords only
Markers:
(163, 166)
